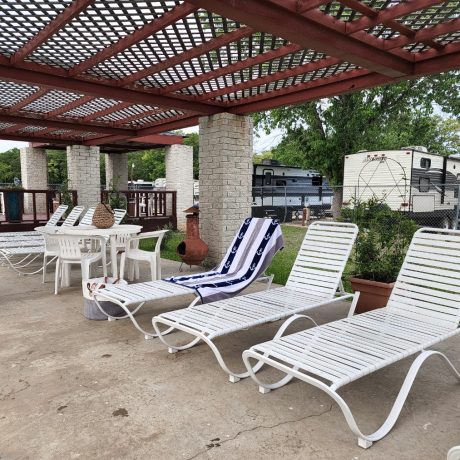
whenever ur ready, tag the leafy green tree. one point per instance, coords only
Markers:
(10, 165)
(319, 134)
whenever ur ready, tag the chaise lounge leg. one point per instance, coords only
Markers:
(264, 390)
(172, 350)
(233, 378)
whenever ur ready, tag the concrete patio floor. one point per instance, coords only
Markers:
(79, 389)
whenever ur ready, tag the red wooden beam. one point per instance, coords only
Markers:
(232, 68)
(265, 16)
(60, 21)
(348, 81)
(74, 126)
(194, 52)
(361, 7)
(162, 139)
(28, 100)
(181, 121)
(100, 90)
(388, 14)
(299, 70)
(151, 28)
(38, 139)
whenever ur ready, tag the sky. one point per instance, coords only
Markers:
(262, 141)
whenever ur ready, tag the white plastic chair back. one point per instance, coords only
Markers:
(55, 218)
(322, 258)
(88, 217)
(119, 214)
(51, 244)
(69, 247)
(428, 284)
(73, 216)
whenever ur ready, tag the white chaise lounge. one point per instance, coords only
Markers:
(250, 253)
(423, 310)
(313, 281)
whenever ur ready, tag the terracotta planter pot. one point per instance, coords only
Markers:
(373, 294)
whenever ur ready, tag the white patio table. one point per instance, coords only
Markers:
(87, 231)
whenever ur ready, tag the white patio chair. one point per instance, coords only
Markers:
(132, 255)
(314, 281)
(52, 222)
(454, 453)
(119, 215)
(70, 253)
(250, 253)
(423, 310)
(73, 216)
(51, 251)
(88, 217)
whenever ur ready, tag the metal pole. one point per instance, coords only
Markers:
(455, 223)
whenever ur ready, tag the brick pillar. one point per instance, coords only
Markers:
(225, 179)
(116, 170)
(34, 175)
(179, 177)
(83, 171)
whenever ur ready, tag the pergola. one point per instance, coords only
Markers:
(101, 72)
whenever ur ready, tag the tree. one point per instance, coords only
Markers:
(319, 134)
(10, 165)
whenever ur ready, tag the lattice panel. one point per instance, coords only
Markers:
(226, 55)
(272, 67)
(52, 100)
(31, 129)
(90, 108)
(339, 11)
(100, 25)
(291, 81)
(21, 20)
(131, 111)
(6, 125)
(449, 38)
(432, 16)
(173, 40)
(385, 33)
(13, 93)
(150, 120)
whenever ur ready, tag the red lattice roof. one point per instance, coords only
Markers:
(101, 72)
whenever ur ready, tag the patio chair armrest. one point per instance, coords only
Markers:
(289, 321)
(267, 279)
(354, 302)
(142, 236)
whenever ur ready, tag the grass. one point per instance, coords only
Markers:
(284, 260)
(168, 246)
(280, 266)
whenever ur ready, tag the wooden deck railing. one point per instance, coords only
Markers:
(144, 204)
(30, 206)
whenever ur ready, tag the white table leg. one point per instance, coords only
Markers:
(113, 255)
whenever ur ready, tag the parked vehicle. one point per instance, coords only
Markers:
(140, 185)
(423, 184)
(280, 190)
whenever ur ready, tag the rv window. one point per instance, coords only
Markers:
(316, 181)
(425, 163)
(424, 184)
(268, 178)
(280, 183)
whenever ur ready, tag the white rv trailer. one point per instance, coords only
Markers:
(423, 184)
(280, 190)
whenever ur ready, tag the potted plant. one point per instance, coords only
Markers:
(14, 202)
(380, 248)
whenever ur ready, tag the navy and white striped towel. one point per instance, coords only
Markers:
(249, 255)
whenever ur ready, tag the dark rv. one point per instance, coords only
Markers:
(423, 184)
(281, 191)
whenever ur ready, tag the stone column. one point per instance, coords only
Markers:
(83, 171)
(116, 170)
(179, 177)
(34, 175)
(225, 179)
